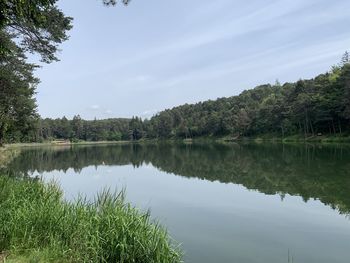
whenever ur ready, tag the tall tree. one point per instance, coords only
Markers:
(17, 88)
(37, 27)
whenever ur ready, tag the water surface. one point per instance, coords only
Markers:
(224, 203)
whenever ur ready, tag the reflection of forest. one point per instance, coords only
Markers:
(308, 171)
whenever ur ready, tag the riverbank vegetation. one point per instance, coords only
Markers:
(37, 224)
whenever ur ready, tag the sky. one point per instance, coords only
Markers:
(156, 54)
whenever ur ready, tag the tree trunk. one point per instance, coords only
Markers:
(334, 131)
(2, 134)
(339, 125)
(312, 129)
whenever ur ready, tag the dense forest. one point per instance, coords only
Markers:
(307, 108)
(78, 129)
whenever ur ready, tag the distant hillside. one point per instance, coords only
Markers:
(307, 107)
(88, 130)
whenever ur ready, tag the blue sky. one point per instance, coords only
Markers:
(156, 54)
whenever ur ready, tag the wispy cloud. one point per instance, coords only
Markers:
(206, 50)
(95, 107)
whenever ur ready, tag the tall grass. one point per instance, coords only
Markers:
(36, 221)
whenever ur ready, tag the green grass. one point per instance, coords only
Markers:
(322, 139)
(37, 225)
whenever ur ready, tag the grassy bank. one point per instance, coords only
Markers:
(345, 138)
(53, 143)
(37, 225)
(321, 139)
(287, 139)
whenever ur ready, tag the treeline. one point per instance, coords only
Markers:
(79, 129)
(306, 108)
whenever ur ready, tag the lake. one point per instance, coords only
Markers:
(241, 203)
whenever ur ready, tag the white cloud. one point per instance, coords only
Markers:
(212, 49)
(95, 107)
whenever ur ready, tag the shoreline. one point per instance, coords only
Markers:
(40, 144)
(344, 140)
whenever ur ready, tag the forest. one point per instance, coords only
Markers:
(306, 108)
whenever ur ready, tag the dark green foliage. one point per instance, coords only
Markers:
(79, 129)
(136, 129)
(320, 106)
(35, 219)
(36, 27)
(17, 88)
(39, 24)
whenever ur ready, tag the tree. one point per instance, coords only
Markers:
(243, 121)
(38, 24)
(345, 59)
(77, 127)
(135, 128)
(114, 2)
(17, 88)
(35, 26)
(344, 80)
(164, 124)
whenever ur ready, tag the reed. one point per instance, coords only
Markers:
(36, 223)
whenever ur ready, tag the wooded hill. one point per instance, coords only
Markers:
(306, 108)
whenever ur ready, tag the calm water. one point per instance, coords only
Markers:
(223, 203)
